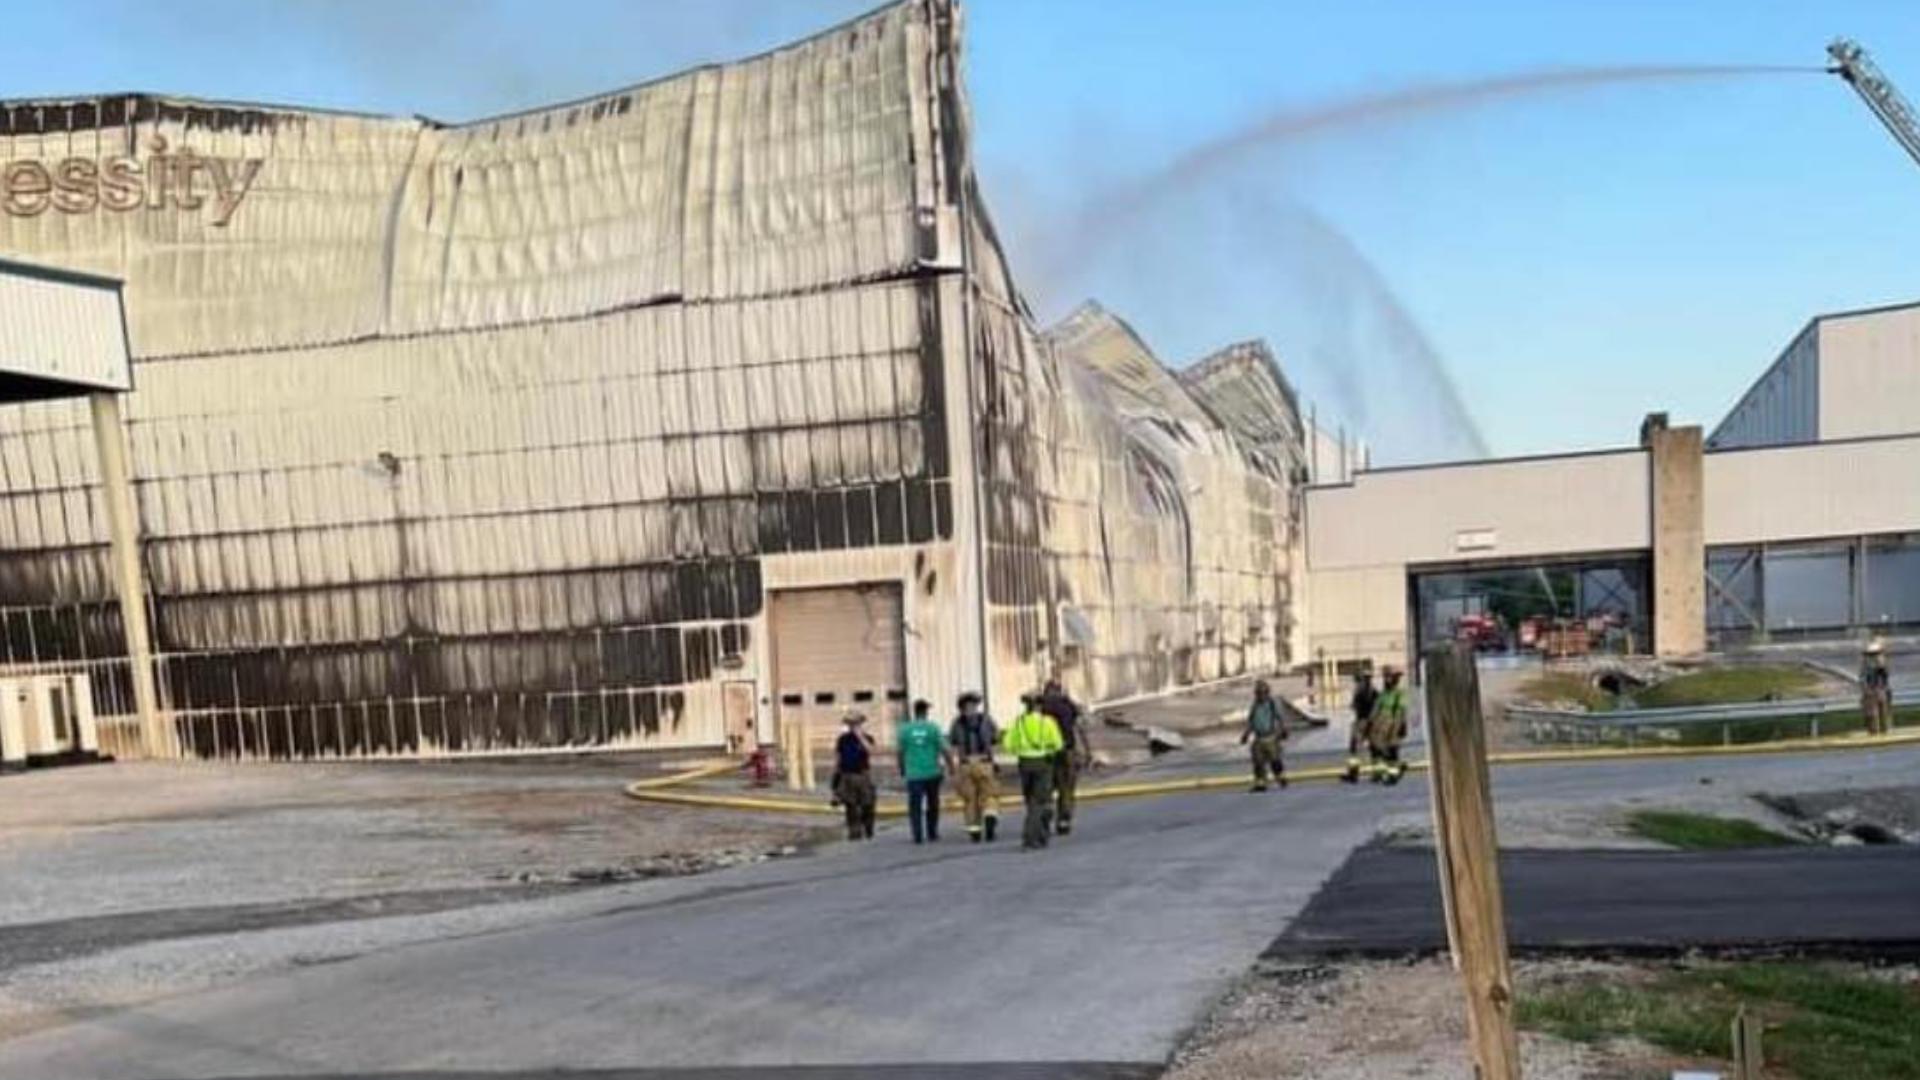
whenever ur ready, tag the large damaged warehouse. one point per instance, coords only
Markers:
(661, 418)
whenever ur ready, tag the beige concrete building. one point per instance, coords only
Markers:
(1799, 517)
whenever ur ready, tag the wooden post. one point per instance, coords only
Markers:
(1469, 863)
(116, 483)
(1439, 826)
(1748, 1061)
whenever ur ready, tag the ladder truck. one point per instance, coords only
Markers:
(1852, 63)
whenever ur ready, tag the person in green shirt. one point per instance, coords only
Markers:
(1033, 739)
(922, 752)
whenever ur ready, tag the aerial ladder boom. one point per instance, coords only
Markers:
(1852, 63)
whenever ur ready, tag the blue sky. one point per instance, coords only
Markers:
(1575, 258)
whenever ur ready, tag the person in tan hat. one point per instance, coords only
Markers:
(1876, 688)
(853, 776)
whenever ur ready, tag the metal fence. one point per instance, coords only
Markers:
(407, 727)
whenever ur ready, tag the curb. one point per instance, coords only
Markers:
(658, 790)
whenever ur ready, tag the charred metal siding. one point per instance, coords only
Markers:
(455, 439)
(498, 437)
(1136, 540)
(1171, 526)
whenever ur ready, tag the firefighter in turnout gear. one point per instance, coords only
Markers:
(1388, 730)
(1033, 740)
(972, 736)
(1365, 697)
(1073, 757)
(1265, 730)
(1876, 688)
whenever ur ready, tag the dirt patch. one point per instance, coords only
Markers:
(1873, 815)
(1363, 1021)
(129, 882)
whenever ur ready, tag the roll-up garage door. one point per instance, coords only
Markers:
(836, 649)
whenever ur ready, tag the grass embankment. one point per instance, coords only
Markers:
(1742, 732)
(1713, 686)
(1823, 1022)
(1702, 832)
(1565, 688)
(1730, 685)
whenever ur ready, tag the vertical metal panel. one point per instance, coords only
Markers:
(491, 437)
(1138, 539)
(436, 413)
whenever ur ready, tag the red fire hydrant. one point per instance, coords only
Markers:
(760, 766)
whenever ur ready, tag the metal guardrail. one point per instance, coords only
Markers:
(1632, 726)
(1691, 714)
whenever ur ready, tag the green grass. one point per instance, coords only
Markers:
(1727, 685)
(1562, 687)
(1702, 832)
(1772, 729)
(1823, 1022)
(1736, 732)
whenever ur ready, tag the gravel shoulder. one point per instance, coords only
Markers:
(1588, 825)
(1361, 1021)
(131, 881)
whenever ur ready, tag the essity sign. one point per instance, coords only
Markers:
(179, 180)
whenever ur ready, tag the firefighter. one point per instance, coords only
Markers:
(972, 736)
(1388, 729)
(853, 776)
(1073, 757)
(1033, 740)
(1365, 697)
(1876, 688)
(1266, 731)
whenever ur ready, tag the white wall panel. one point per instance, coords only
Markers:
(1869, 374)
(1806, 492)
(1554, 505)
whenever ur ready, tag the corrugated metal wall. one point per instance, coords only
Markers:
(495, 437)
(1136, 540)
(475, 438)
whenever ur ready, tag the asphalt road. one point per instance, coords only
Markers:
(1101, 951)
(1380, 903)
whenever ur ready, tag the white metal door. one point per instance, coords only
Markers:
(836, 649)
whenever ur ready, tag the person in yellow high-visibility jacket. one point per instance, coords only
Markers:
(1033, 739)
